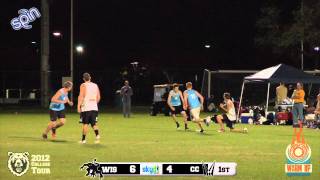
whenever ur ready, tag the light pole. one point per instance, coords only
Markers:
(302, 39)
(71, 46)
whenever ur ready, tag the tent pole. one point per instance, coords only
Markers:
(209, 84)
(266, 109)
(310, 87)
(238, 116)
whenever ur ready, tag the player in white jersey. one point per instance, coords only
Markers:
(88, 100)
(229, 116)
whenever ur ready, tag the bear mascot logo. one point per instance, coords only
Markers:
(18, 163)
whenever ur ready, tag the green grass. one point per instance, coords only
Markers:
(260, 154)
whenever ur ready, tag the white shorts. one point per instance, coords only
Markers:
(195, 113)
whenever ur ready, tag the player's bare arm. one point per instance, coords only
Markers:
(169, 102)
(182, 99)
(55, 98)
(201, 98)
(81, 97)
(185, 97)
(69, 102)
(98, 95)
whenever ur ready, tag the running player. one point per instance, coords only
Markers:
(57, 110)
(176, 102)
(229, 116)
(192, 98)
(88, 100)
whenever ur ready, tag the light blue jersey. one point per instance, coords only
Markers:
(59, 106)
(193, 99)
(175, 98)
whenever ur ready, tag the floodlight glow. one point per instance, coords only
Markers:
(79, 49)
(57, 34)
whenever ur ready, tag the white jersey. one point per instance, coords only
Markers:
(90, 99)
(231, 114)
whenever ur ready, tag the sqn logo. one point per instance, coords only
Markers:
(18, 163)
(25, 17)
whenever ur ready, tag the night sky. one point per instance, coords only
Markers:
(155, 32)
(159, 34)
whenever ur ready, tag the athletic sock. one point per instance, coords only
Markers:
(54, 130)
(83, 137)
(96, 132)
(186, 126)
(178, 125)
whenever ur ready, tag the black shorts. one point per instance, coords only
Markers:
(228, 122)
(89, 117)
(54, 115)
(177, 110)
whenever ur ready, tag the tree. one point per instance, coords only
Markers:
(286, 35)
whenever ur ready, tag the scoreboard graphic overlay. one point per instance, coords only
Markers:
(165, 168)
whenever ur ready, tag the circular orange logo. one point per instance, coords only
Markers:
(298, 152)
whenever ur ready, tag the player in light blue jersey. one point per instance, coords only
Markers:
(176, 103)
(194, 101)
(57, 109)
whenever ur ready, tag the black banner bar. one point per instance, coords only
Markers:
(120, 169)
(179, 169)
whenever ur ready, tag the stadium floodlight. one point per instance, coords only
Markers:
(207, 46)
(134, 63)
(79, 49)
(57, 34)
(317, 48)
(33, 42)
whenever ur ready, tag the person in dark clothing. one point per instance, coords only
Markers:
(126, 93)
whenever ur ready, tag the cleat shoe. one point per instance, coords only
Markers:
(44, 136)
(82, 142)
(245, 130)
(221, 130)
(97, 141)
(201, 131)
(207, 120)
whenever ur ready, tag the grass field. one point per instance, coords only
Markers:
(260, 154)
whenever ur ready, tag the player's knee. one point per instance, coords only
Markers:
(62, 121)
(52, 124)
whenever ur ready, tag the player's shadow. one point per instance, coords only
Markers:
(59, 141)
(94, 146)
(28, 138)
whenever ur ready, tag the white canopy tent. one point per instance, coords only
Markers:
(276, 74)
